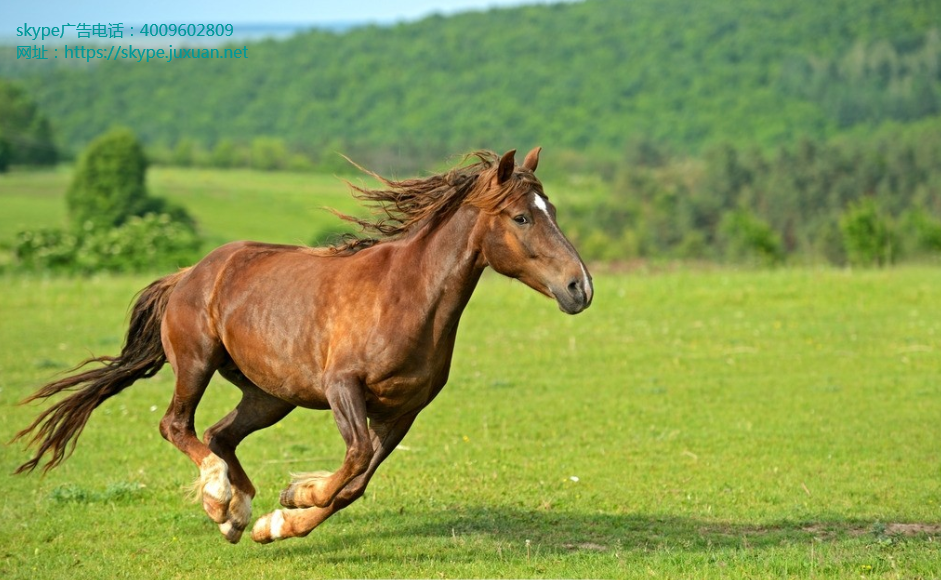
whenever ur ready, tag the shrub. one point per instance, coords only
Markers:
(151, 242)
(922, 233)
(867, 235)
(299, 162)
(116, 226)
(108, 187)
(747, 238)
(268, 153)
(184, 154)
(828, 242)
(224, 155)
(46, 249)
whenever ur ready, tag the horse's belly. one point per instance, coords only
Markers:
(291, 381)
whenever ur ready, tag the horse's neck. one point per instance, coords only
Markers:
(447, 268)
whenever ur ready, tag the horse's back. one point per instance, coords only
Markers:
(285, 315)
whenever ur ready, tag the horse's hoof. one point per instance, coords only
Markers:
(232, 534)
(287, 498)
(268, 528)
(238, 515)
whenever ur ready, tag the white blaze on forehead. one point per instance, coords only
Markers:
(540, 203)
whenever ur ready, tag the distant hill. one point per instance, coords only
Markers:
(588, 76)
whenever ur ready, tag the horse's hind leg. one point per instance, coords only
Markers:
(178, 427)
(255, 411)
(194, 355)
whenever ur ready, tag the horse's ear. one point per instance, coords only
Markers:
(507, 164)
(532, 159)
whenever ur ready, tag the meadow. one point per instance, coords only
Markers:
(693, 423)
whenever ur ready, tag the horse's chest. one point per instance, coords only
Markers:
(407, 389)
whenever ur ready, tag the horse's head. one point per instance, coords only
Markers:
(522, 239)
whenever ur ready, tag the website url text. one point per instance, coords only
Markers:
(119, 52)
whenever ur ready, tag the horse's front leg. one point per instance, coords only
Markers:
(346, 397)
(300, 522)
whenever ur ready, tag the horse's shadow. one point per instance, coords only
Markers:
(559, 532)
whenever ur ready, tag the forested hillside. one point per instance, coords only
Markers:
(588, 76)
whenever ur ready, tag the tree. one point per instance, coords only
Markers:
(25, 130)
(6, 154)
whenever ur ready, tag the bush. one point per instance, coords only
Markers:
(268, 153)
(299, 162)
(151, 242)
(224, 155)
(747, 238)
(184, 154)
(116, 226)
(108, 187)
(46, 249)
(922, 233)
(868, 236)
(828, 242)
(693, 246)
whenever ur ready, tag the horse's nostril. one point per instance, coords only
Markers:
(575, 288)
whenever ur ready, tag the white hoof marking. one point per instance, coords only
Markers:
(214, 473)
(277, 522)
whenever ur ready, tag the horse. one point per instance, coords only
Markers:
(364, 328)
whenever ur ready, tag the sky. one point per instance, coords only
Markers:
(15, 13)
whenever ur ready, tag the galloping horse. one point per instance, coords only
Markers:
(365, 328)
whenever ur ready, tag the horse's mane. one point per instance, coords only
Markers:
(401, 206)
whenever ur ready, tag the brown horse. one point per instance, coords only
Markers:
(365, 328)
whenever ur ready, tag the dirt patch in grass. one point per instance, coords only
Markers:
(912, 529)
(590, 546)
(878, 529)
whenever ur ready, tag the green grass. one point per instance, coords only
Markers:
(720, 424)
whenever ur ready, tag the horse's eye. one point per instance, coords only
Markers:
(521, 219)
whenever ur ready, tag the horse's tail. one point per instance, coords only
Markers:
(56, 430)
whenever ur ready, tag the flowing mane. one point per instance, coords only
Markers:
(403, 206)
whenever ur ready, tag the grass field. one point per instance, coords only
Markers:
(691, 424)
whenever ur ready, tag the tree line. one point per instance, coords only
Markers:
(585, 76)
(866, 200)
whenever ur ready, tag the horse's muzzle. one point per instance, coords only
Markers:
(576, 296)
